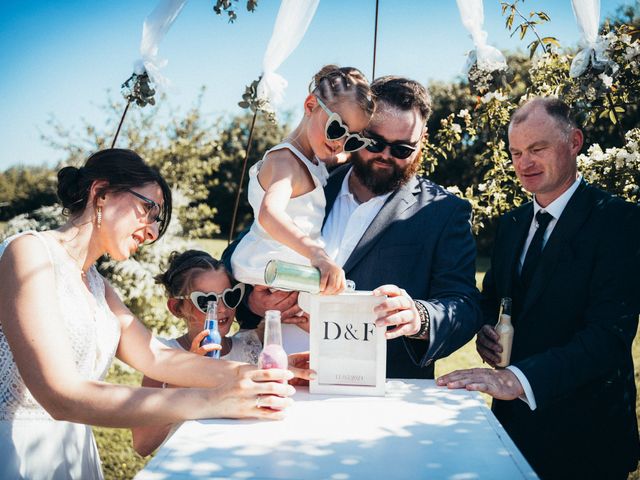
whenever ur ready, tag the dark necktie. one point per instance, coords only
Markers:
(535, 248)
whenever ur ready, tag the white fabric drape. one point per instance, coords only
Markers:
(291, 24)
(587, 13)
(154, 29)
(488, 58)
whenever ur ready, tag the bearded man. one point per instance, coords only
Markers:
(398, 234)
(386, 225)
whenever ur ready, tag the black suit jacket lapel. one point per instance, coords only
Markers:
(397, 203)
(558, 245)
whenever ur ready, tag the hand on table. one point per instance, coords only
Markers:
(487, 345)
(398, 311)
(500, 384)
(255, 393)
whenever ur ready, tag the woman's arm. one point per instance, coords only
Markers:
(147, 354)
(147, 439)
(32, 323)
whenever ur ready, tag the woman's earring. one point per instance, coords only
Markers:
(99, 217)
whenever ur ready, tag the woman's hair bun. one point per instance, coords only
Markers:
(70, 188)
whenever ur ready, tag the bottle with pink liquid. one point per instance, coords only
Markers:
(272, 355)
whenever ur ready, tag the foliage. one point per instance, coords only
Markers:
(251, 101)
(230, 154)
(468, 141)
(229, 7)
(137, 88)
(23, 189)
(527, 24)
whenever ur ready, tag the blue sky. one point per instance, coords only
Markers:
(61, 57)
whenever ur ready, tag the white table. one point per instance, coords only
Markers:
(418, 430)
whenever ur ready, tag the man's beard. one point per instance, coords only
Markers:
(378, 181)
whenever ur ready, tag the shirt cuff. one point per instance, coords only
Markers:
(528, 397)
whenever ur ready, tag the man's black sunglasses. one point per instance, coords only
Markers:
(398, 150)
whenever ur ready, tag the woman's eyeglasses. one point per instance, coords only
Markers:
(335, 129)
(398, 150)
(231, 297)
(152, 209)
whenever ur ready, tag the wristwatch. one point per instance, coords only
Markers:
(424, 320)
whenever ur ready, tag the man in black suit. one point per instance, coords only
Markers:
(570, 260)
(400, 234)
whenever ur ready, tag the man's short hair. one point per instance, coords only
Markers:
(554, 107)
(402, 93)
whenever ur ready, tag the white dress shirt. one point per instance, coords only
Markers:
(348, 220)
(555, 209)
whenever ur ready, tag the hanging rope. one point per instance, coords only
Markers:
(375, 43)
(244, 169)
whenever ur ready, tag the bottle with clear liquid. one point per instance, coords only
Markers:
(272, 355)
(211, 324)
(505, 331)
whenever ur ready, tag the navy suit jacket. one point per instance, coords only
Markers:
(573, 332)
(421, 241)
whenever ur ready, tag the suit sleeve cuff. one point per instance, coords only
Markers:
(528, 397)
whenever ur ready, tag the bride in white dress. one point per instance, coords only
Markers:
(61, 324)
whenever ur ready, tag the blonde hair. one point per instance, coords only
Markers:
(332, 83)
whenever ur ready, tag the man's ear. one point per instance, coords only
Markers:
(97, 192)
(576, 139)
(174, 305)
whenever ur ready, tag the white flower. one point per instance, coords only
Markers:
(606, 80)
(632, 51)
(498, 96)
(456, 128)
(463, 113)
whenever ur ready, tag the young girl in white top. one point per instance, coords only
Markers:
(286, 186)
(192, 279)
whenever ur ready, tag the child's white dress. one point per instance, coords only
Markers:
(257, 247)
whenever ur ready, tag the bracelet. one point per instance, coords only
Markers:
(424, 320)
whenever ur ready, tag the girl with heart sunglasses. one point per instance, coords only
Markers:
(286, 186)
(192, 279)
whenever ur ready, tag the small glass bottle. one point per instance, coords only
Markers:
(211, 324)
(291, 276)
(272, 355)
(301, 278)
(505, 330)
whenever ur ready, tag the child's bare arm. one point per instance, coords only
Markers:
(281, 176)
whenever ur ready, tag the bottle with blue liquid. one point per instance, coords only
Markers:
(211, 324)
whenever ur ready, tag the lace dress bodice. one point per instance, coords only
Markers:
(94, 332)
